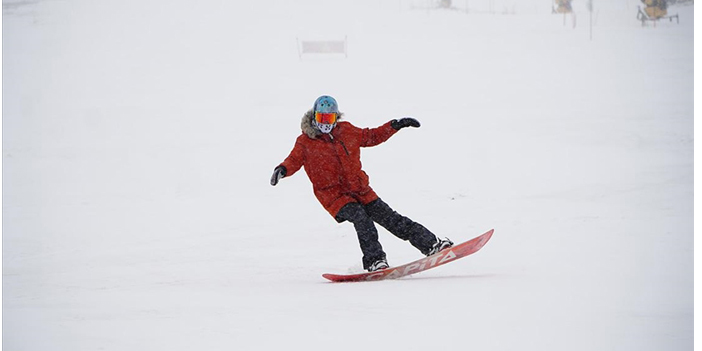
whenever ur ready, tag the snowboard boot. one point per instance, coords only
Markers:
(440, 245)
(378, 265)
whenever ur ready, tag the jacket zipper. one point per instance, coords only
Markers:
(345, 149)
(342, 145)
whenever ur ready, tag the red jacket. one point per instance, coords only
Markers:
(333, 162)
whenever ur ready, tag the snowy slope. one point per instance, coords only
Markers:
(139, 137)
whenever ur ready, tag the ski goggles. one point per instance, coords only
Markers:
(325, 117)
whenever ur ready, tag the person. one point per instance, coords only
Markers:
(329, 150)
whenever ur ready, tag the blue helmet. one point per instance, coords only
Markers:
(326, 104)
(325, 112)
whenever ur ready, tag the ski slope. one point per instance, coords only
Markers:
(139, 137)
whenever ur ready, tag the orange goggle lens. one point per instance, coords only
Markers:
(325, 118)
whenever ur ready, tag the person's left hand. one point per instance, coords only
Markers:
(404, 122)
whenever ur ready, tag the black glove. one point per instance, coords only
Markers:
(404, 122)
(278, 173)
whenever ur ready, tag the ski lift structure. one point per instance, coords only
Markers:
(564, 7)
(655, 11)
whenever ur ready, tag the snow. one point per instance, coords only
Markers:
(139, 138)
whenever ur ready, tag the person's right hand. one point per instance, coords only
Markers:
(278, 173)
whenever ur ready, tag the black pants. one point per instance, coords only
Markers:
(378, 211)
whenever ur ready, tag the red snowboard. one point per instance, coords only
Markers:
(435, 260)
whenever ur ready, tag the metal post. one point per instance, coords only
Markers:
(589, 6)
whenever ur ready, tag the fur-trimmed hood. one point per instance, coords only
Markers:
(308, 128)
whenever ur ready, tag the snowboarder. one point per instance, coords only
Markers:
(329, 150)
